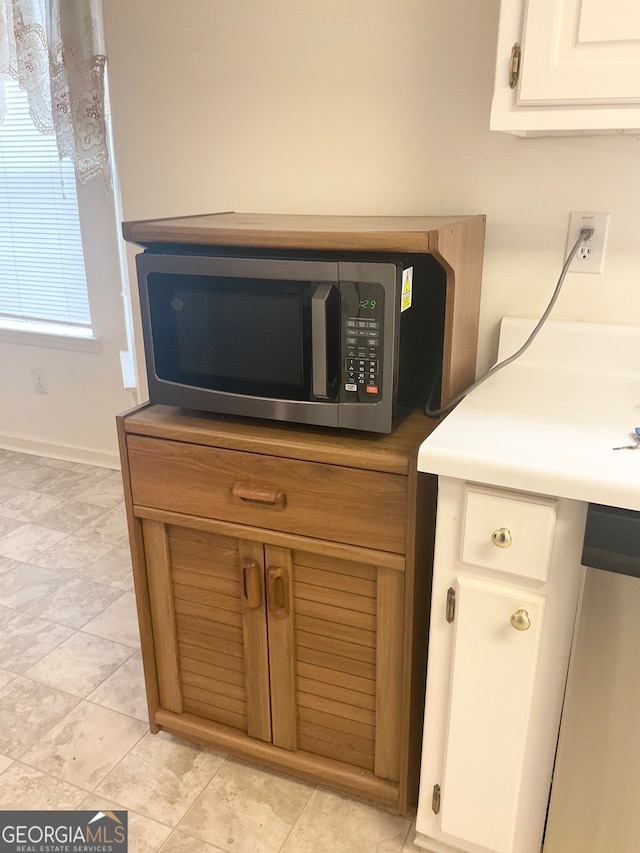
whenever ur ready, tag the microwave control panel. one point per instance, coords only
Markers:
(362, 310)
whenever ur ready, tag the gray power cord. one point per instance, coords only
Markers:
(585, 235)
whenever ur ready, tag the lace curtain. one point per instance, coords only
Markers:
(55, 51)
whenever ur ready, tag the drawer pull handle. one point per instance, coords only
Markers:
(278, 591)
(252, 585)
(259, 495)
(501, 537)
(520, 620)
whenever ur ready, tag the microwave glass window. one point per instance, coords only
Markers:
(239, 335)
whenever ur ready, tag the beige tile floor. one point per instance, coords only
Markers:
(73, 730)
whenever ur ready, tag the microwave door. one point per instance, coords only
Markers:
(325, 341)
(234, 335)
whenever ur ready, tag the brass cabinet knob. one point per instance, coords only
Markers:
(501, 537)
(521, 620)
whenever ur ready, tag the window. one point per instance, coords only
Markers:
(42, 276)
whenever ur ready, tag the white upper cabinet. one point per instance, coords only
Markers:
(578, 69)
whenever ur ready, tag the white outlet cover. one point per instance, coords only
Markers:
(598, 243)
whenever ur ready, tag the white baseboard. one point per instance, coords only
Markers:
(58, 450)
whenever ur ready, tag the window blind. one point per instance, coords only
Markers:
(42, 274)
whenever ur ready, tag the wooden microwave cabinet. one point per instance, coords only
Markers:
(283, 574)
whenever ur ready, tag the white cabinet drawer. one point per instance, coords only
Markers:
(508, 532)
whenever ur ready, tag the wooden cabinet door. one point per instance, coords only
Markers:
(339, 659)
(298, 648)
(208, 614)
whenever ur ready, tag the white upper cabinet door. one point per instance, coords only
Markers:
(579, 67)
(581, 51)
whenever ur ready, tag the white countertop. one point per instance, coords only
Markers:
(547, 423)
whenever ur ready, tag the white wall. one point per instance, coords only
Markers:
(363, 106)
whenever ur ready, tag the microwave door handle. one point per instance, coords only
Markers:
(319, 311)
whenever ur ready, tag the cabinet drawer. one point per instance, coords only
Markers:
(348, 505)
(508, 532)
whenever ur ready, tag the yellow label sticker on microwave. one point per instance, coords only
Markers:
(407, 288)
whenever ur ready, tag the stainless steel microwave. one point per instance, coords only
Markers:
(351, 342)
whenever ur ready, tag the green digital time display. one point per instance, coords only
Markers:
(368, 303)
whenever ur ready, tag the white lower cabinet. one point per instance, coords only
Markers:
(498, 655)
(492, 679)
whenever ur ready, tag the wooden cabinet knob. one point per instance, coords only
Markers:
(278, 594)
(252, 585)
(259, 495)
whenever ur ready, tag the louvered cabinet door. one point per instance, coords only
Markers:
(339, 653)
(297, 648)
(207, 602)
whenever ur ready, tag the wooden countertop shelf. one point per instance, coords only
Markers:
(391, 453)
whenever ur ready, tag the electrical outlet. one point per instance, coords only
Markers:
(39, 378)
(590, 255)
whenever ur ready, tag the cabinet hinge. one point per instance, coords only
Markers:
(450, 612)
(514, 69)
(435, 799)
